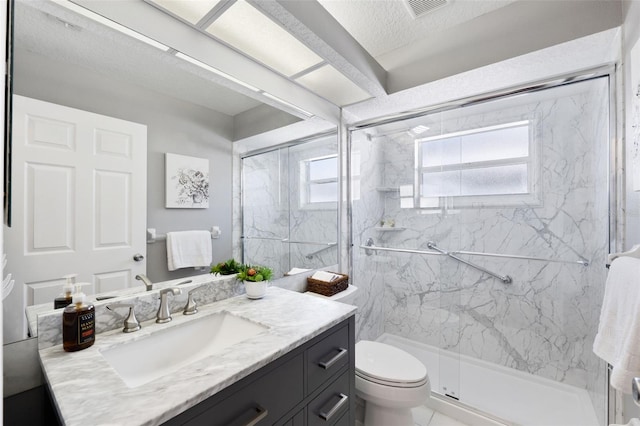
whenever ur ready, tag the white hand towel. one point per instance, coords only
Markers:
(188, 249)
(618, 338)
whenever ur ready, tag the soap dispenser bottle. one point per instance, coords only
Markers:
(78, 324)
(67, 292)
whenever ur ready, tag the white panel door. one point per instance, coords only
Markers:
(79, 202)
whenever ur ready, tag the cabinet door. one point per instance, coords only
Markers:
(328, 407)
(326, 358)
(261, 402)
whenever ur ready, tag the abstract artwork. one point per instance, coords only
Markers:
(187, 182)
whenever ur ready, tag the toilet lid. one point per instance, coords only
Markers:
(386, 364)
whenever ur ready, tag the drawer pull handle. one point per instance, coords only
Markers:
(327, 416)
(261, 413)
(326, 365)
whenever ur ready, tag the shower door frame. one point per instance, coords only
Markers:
(615, 180)
(333, 132)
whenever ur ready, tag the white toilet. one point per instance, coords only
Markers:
(391, 382)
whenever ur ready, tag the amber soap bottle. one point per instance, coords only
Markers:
(78, 324)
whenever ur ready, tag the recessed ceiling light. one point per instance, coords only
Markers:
(109, 23)
(189, 10)
(215, 71)
(419, 129)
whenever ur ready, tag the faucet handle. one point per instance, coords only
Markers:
(164, 313)
(190, 308)
(131, 323)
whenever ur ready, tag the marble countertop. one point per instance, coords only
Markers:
(87, 390)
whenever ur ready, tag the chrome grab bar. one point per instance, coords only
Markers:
(504, 278)
(287, 240)
(515, 256)
(329, 245)
(369, 248)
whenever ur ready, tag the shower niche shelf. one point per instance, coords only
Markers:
(389, 228)
(388, 189)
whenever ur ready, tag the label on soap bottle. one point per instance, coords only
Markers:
(86, 327)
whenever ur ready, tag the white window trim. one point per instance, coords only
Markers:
(531, 198)
(306, 182)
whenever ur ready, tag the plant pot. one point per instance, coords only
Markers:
(255, 290)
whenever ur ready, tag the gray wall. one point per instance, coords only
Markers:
(173, 126)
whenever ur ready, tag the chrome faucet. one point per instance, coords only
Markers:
(147, 282)
(190, 308)
(164, 314)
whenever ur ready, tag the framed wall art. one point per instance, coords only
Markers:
(187, 182)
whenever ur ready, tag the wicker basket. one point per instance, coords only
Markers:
(328, 288)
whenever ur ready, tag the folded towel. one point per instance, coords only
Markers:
(188, 249)
(325, 276)
(618, 338)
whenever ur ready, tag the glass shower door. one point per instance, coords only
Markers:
(290, 206)
(517, 188)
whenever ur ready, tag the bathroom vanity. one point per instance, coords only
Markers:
(296, 368)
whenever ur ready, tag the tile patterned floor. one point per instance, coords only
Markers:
(424, 416)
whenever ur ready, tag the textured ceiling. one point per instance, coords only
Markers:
(383, 26)
(92, 46)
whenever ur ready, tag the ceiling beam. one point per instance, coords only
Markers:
(153, 23)
(310, 23)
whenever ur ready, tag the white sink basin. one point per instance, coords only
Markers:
(142, 361)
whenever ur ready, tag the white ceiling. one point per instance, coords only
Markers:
(382, 26)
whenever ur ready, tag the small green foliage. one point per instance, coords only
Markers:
(228, 267)
(254, 273)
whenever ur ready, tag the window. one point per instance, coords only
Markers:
(319, 178)
(490, 164)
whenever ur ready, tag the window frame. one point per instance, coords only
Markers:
(530, 198)
(306, 182)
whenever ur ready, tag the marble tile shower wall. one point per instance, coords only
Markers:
(544, 322)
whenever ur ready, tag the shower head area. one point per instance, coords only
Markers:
(479, 237)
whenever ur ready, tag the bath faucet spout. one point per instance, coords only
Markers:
(147, 282)
(164, 314)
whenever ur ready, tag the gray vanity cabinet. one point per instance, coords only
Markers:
(312, 385)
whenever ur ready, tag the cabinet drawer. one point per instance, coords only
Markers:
(326, 357)
(262, 401)
(332, 404)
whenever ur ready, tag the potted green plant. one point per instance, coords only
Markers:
(228, 267)
(255, 280)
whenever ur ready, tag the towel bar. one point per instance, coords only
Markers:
(152, 237)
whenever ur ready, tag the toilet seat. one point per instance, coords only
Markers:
(389, 366)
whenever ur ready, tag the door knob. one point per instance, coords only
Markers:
(138, 257)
